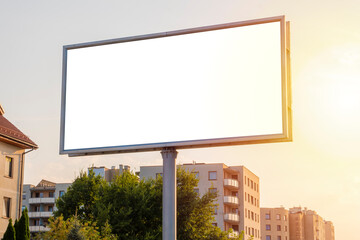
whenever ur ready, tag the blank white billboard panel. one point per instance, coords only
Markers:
(216, 85)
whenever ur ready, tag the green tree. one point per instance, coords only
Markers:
(72, 228)
(195, 213)
(16, 227)
(131, 207)
(74, 233)
(80, 197)
(22, 226)
(10, 232)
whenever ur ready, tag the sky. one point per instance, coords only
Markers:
(319, 169)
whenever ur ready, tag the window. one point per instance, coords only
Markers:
(252, 200)
(248, 182)
(278, 227)
(61, 193)
(7, 205)
(9, 166)
(285, 218)
(213, 190)
(278, 217)
(196, 174)
(212, 175)
(278, 237)
(268, 227)
(249, 214)
(50, 208)
(24, 196)
(252, 215)
(268, 237)
(255, 186)
(245, 212)
(252, 184)
(267, 216)
(248, 197)
(285, 228)
(51, 194)
(252, 231)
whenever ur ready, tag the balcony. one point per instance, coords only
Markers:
(231, 183)
(40, 214)
(231, 217)
(234, 234)
(231, 200)
(41, 200)
(38, 229)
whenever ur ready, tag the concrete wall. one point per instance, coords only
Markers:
(278, 217)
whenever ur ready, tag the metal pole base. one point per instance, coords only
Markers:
(169, 193)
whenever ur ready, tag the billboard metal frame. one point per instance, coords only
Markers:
(270, 138)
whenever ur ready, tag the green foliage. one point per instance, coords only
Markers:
(195, 213)
(10, 232)
(80, 197)
(16, 227)
(131, 209)
(22, 226)
(72, 228)
(75, 233)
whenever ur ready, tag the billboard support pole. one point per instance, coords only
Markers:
(169, 193)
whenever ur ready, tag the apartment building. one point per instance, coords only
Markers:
(274, 224)
(294, 224)
(329, 231)
(109, 174)
(13, 146)
(238, 194)
(40, 202)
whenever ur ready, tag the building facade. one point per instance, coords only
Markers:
(274, 224)
(329, 231)
(40, 202)
(13, 146)
(295, 224)
(109, 174)
(238, 194)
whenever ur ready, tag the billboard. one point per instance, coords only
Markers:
(210, 86)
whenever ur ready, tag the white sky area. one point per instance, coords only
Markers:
(319, 169)
(207, 85)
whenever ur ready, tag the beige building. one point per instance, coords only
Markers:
(274, 224)
(40, 202)
(329, 231)
(13, 144)
(109, 174)
(308, 225)
(238, 190)
(295, 224)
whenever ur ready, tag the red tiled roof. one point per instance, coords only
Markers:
(12, 133)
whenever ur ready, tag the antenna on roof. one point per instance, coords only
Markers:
(1, 110)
